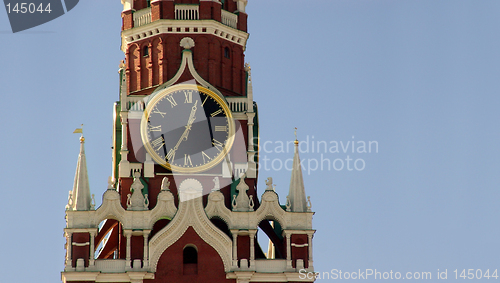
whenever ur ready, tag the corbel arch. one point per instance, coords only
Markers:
(190, 214)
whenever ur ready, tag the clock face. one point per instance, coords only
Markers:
(187, 128)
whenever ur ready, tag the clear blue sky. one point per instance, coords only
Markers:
(421, 78)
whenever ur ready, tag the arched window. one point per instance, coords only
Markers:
(190, 255)
(149, 3)
(190, 260)
(227, 52)
(145, 51)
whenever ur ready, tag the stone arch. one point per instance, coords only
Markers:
(108, 238)
(145, 59)
(158, 225)
(273, 230)
(171, 268)
(191, 215)
(134, 61)
(270, 209)
(155, 59)
(222, 224)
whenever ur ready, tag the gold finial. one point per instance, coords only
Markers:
(296, 140)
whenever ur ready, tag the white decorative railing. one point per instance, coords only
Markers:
(237, 104)
(270, 265)
(240, 168)
(142, 17)
(135, 103)
(229, 19)
(110, 265)
(186, 12)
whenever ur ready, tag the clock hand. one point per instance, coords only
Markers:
(192, 117)
(185, 135)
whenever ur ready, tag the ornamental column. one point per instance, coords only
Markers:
(124, 166)
(145, 260)
(128, 235)
(288, 252)
(252, 248)
(69, 245)
(310, 249)
(235, 248)
(92, 248)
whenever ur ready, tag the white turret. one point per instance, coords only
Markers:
(297, 195)
(80, 196)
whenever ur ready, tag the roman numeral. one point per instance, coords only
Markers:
(189, 96)
(155, 128)
(187, 160)
(155, 110)
(171, 100)
(217, 144)
(220, 128)
(205, 156)
(171, 155)
(216, 113)
(204, 101)
(158, 143)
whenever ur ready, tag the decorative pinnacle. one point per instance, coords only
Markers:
(296, 140)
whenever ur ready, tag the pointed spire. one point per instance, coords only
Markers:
(297, 194)
(81, 190)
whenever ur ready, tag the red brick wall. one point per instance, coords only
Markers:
(300, 252)
(243, 247)
(170, 267)
(80, 251)
(226, 74)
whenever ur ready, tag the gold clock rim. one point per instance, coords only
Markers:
(149, 149)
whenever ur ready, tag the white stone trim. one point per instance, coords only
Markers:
(187, 60)
(299, 245)
(105, 277)
(80, 244)
(239, 116)
(252, 276)
(162, 26)
(111, 208)
(127, 5)
(241, 4)
(269, 209)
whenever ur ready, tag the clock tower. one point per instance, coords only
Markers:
(182, 202)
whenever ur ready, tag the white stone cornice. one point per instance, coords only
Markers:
(80, 230)
(305, 232)
(169, 26)
(105, 277)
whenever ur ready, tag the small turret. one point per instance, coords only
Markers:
(80, 196)
(297, 195)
